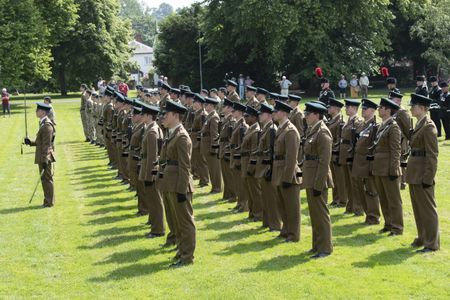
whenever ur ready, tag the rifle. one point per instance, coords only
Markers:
(26, 120)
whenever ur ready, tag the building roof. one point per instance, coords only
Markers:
(139, 48)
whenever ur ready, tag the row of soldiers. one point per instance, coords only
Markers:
(261, 153)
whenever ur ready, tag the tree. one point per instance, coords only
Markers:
(24, 54)
(97, 47)
(162, 11)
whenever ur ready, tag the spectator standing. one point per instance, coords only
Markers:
(101, 86)
(364, 84)
(123, 88)
(284, 85)
(160, 81)
(248, 81)
(5, 103)
(241, 83)
(343, 87)
(354, 87)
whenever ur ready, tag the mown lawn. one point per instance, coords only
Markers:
(91, 244)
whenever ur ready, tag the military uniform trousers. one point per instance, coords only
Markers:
(133, 174)
(228, 187)
(242, 194)
(334, 174)
(184, 224)
(320, 221)
(255, 203)
(155, 204)
(289, 208)
(353, 203)
(436, 117)
(172, 236)
(425, 214)
(214, 172)
(391, 203)
(199, 161)
(91, 127)
(143, 205)
(84, 123)
(47, 184)
(271, 216)
(339, 183)
(366, 191)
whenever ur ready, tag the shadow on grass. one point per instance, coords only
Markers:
(207, 204)
(358, 240)
(212, 215)
(256, 246)
(110, 219)
(134, 270)
(385, 258)
(109, 209)
(222, 225)
(112, 241)
(279, 263)
(118, 230)
(346, 229)
(237, 235)
(130, 256)
(107, 200)
(14, 210)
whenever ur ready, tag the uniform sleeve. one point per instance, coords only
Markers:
(431, 154)
(152, 154)
(324, 152)
(404, 122)
(214, 129)
(46, 140)
(395, 149)
(184, 148)
(292, 144)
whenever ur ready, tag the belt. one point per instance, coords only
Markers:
(253, 162)
(345, 142)
(137, 158)
(418, 153)
(227, 154)
(278, 157)
(311, 157)
(236, 156)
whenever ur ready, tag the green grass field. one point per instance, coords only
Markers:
(91, 245)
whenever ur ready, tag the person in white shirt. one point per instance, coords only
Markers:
(343, 87)
(364, 83)
(285, 84)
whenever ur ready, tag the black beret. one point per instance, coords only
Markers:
(232, 82)
(128, 100)
(119, 96)
(43, 106)
(283, 98)
(274, 96)
(109, 92)
(335, 102)
(189, 94)
(150, 109)
(199, 98)
(433, 79)
(165, 86)
(351, 102)
(294, 97)
(227, 102)
(251, 88)
(367, 103)
(281, 106)
(137, 110)
(316, 107)
(395, 95)
(175, 91)
(251, 111)
(443, 84)
(176, 107)
(261, 91)
(239, 106)
(391, 80)
(223, 89)
(420, 100)
(266, 108)
(420, 78)
(389, 104)
(213, 90)
(137, 103)
(204, 91)
(210, 100)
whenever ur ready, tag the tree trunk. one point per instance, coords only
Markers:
(62, 80)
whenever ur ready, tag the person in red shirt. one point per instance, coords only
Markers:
(5, 103)
(123, 88)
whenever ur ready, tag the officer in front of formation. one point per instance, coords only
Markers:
(176, 183)
(392, 84)
(45, 152)
(317, 177)
(420, 175)
(326, 93)
(386, 167)
(435, 108)
(286, 174)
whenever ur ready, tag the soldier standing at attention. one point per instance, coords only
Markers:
(392, 85)
(51, 114)
(263, 168)
(286, 175)
(44, 155)
(209, 144)
(151, 143)
(362, 179)
(176, 183)
(231, 89)
(164, 94)
(90, 117)
(237, 135)
(250, 95)
(404, 121)
(346, 151)
(83, 89)
(335, 124)
(317, 178)
(386, 167)
(435, 108)
(229, 193)
(326, 93)
(249, 148)
(198, 160)
(422, 166)
(135, 145)
(421, 88)
(107, 117)
(261, 96)
(296, 117)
